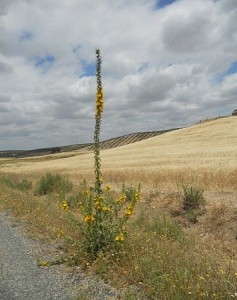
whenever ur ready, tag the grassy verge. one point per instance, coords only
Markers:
(159, 259)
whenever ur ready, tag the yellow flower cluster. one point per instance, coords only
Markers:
(89, 218)
(98, 202)
(106, 209)
(99, 102)
(120, 237)
(122, 197)
(129, 210)
(65, 205)
(137, 196)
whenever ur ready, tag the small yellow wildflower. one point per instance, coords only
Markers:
(123, 197)
(65, 205)
(120, 237)
(89, 218)
(137, 196)
(60, 233)
(128, 212)
(106, 209)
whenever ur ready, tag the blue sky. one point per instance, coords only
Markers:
(26, 35)
(165, 64)
(47, 59)
(232, 69)
(163, 3)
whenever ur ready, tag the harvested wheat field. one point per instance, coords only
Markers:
(206, 153)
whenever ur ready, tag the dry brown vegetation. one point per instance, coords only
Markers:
(203, 155)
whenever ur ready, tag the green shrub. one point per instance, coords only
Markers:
(50, 183)
(102, 218)
(193, 198)
(22, 185)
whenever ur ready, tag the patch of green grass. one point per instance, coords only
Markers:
(21, 185)
(53, 183)
(192, 198)
(193, 202)
(165, 227)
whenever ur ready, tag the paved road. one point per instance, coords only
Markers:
(20, 278)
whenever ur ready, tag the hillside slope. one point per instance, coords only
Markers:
(206, 145)
(107, 144)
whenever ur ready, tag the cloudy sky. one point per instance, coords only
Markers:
(166, 64)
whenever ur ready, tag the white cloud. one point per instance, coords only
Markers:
(162, 68)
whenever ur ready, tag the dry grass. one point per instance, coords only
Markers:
(203, 155)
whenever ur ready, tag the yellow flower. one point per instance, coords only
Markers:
(128, 212)
(120, 237)
(137, 196)
(100, 94)
(60, 233)
(89, 218)
(106, 209)
(123, 197)
(65, 205)
(99, 102)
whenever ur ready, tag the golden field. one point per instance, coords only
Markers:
(203, 155)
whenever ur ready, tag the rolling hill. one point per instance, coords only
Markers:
(209, 145)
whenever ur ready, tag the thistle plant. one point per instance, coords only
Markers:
(102, 213)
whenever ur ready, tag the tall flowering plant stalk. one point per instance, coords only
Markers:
(98, 115)
(102, 214)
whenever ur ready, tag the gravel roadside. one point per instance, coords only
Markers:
(22, 279)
